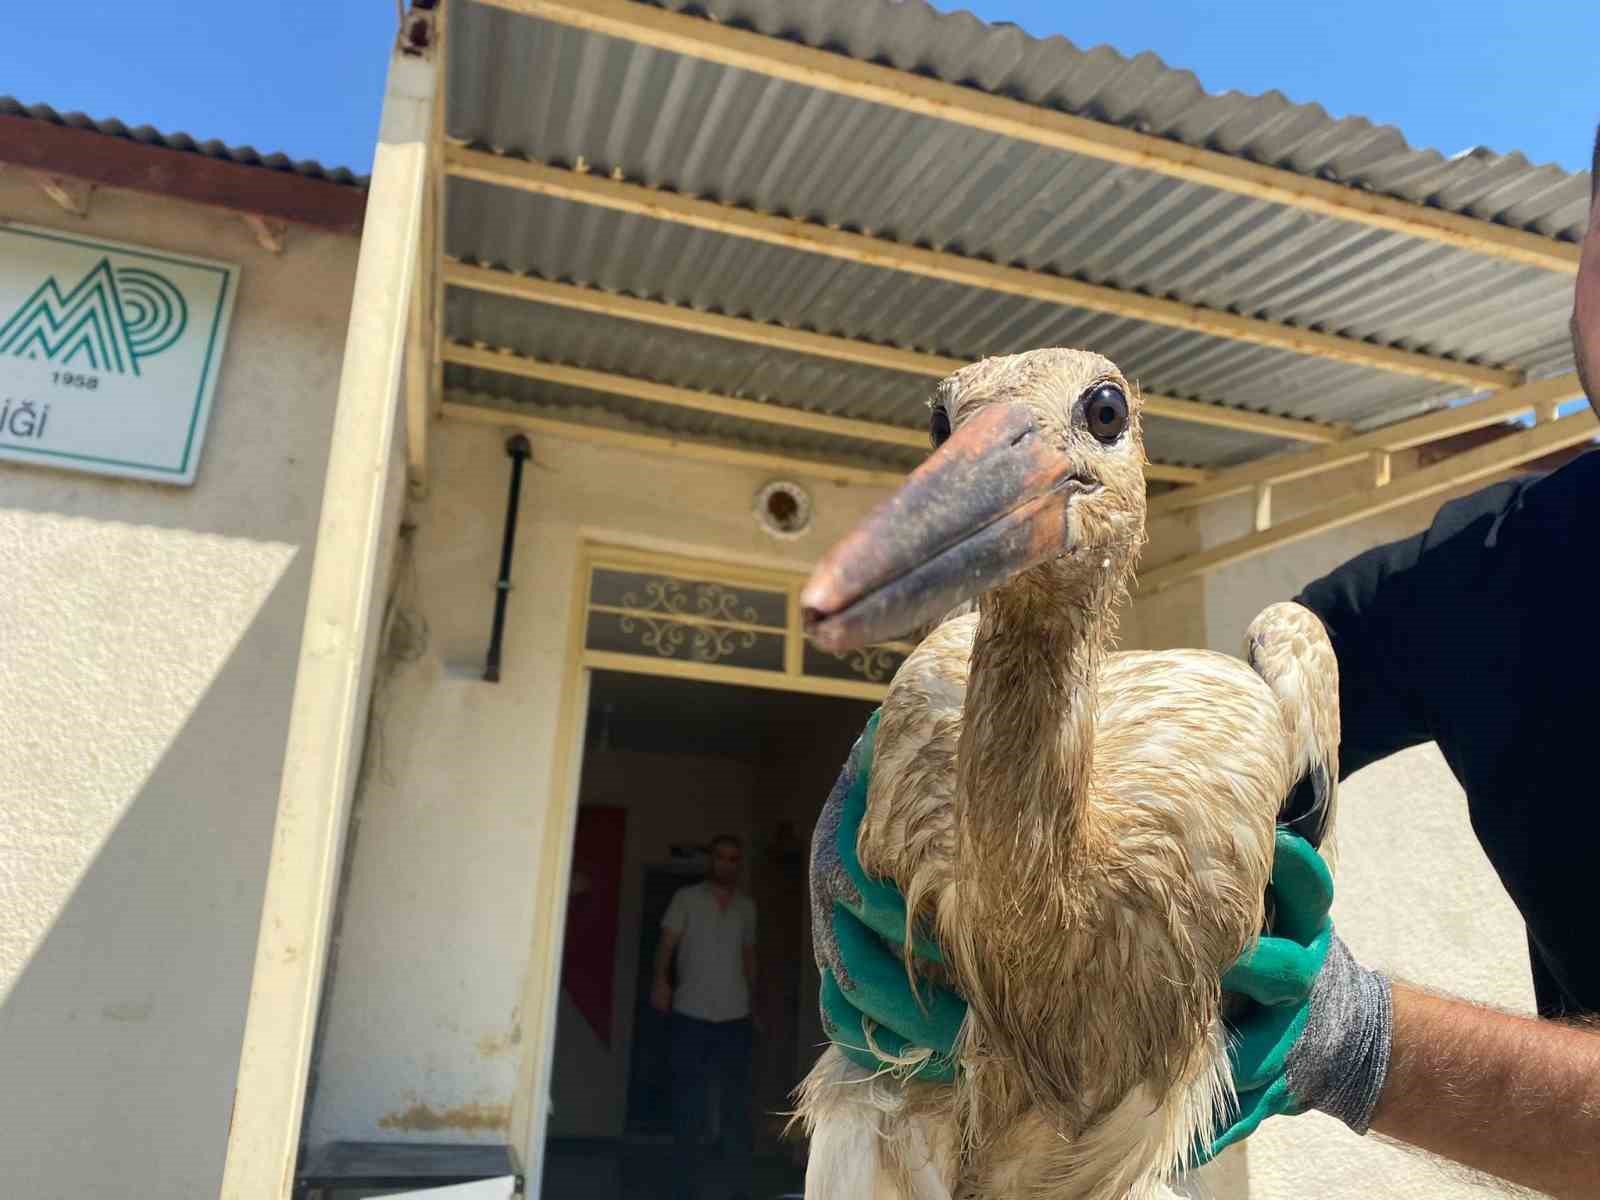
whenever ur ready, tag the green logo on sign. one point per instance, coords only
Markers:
(108, 322)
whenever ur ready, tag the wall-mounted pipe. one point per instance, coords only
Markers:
(518, 447)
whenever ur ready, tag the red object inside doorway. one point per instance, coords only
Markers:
(588, 962)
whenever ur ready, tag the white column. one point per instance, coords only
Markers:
(337, 654)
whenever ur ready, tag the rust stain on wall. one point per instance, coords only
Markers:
(492, 1045)
(472, 1118)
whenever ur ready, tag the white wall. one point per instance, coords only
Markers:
(150, 636)
(425, 1024)
(425, 1027)
(1414, 894)
(424, 1032)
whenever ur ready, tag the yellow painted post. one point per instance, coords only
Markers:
(1382, 469)
(337, 654)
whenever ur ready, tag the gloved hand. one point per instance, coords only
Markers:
(869, 1009)
(1317, 1033)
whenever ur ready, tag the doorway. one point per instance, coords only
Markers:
(668, 763)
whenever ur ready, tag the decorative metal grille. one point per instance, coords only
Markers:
(710, 599)
(683, 614)
(871, 664)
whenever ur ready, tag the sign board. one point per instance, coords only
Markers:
(109, 353)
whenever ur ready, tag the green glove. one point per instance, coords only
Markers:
(858, 927)
(1317, 1034)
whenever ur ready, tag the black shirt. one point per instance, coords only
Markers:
(1479, 634)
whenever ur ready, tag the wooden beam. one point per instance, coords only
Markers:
(438, 183)
(108, 161)
(509, 363)
(1382, 469)
(673, 447)
(419, 360)
(1263, 513)
(70, 195)
(839, 349)
(695, 37)
(769, 229)
(1457, 471)
(269, 234)
(1280, 468)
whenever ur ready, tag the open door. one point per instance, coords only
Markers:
(667, 765)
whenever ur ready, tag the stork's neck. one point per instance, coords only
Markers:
(1027, 741)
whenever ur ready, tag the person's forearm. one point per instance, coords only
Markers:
(664, 960)
(1515, 1097)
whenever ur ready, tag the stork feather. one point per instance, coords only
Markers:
(1087, 834)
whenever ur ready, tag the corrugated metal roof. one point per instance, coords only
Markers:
(552, 93)
(620, 412)
(144, 134)
(1146, 94)
(704, 363)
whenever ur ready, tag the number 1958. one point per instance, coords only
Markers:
(72, 379)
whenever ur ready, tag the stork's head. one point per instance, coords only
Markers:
(1035, 486)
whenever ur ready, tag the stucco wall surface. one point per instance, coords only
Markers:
(149, 637)
(425, 1028)
(424, 1031)
(1414, 894)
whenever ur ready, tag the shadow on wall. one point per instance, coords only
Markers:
(120, 1037)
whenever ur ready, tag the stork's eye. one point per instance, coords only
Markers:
(938, 426)
(1105, 411)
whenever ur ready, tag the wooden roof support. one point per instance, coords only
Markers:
(419, 359)
(654, 204)
(839, 349)
(674, 447)
(69, 195)
(523, 367)
(695, 37)
(1280, 468)
(438, 184)
(510, 363)
(268, 232)
(1262, 518)
(424, 374)
(1502, 455)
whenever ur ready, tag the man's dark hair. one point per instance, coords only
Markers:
(726, 839)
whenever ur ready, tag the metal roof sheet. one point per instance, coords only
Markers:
(782, 378)
(557, 94)
(582, 406)
(245, 155)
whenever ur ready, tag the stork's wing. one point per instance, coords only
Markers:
(1288, 647)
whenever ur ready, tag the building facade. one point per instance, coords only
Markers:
(285, 872)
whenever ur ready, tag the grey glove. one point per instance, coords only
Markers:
(1317, 1033)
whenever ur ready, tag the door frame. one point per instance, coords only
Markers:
(541, 991)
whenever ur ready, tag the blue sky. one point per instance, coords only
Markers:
(306, 76)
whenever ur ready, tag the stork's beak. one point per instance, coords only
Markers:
(990, 503)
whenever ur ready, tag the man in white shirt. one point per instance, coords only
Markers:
(711, 927)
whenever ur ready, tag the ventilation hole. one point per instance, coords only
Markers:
(783, 509)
